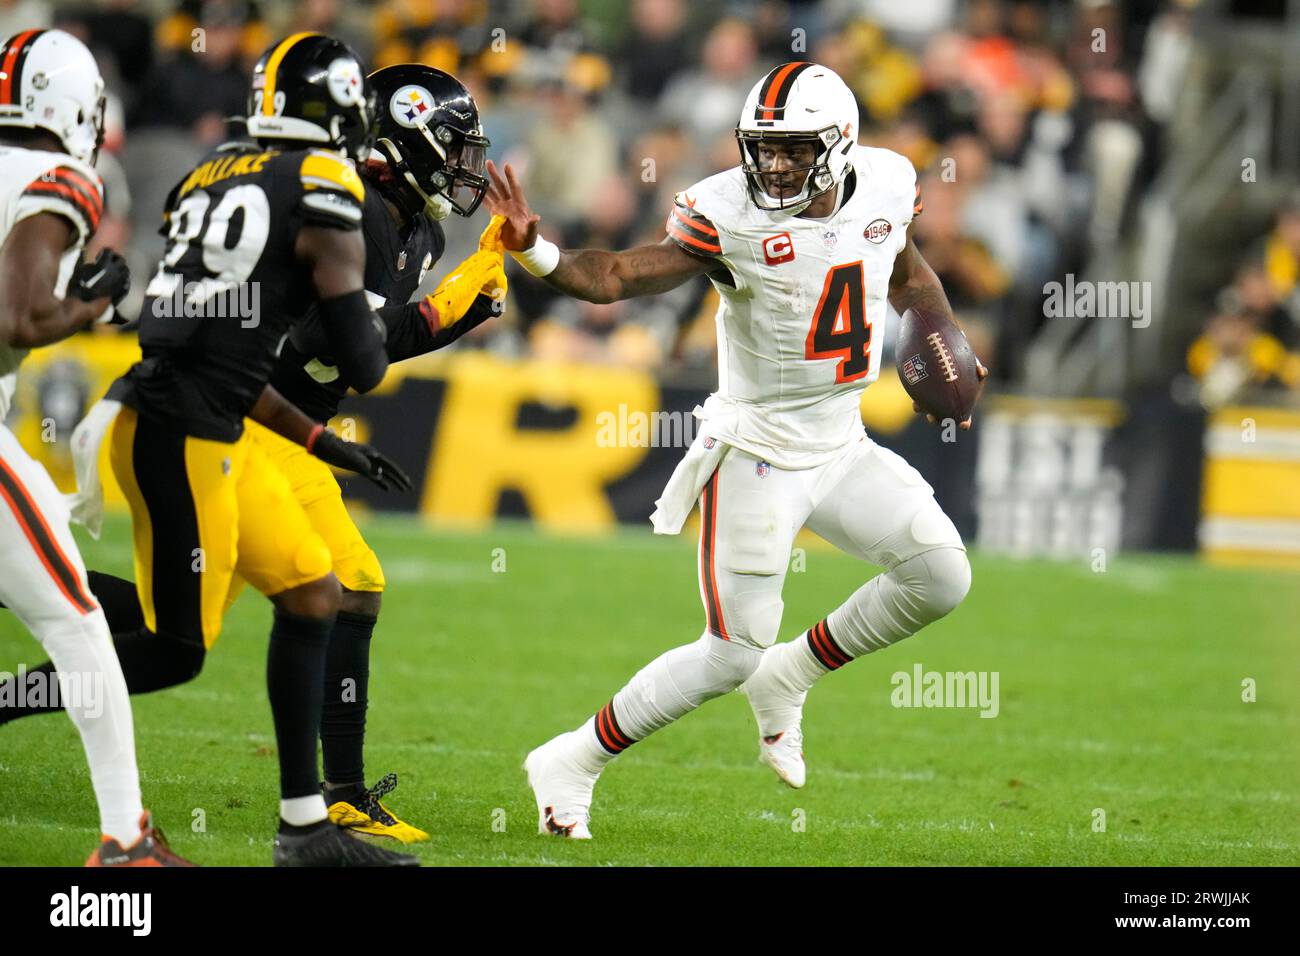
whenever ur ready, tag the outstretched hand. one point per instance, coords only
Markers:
(505, 197)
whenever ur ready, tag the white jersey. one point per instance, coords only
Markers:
(803, 303)
(37, 180)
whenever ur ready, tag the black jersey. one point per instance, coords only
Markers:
(394, 269)
(229, 286)
(306, 374)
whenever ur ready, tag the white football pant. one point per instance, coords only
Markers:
(43, 581)
(869, 503)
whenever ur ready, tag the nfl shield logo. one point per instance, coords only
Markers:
(709, 442)
(914, 370)
(762, 469)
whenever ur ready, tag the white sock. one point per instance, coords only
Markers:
(94, 693)
(303, 811)
(792, 669)
(673, 684)
(586, 749)
(883, 611)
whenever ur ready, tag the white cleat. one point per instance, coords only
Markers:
(775, 704)
(562, 790)
(783, 752)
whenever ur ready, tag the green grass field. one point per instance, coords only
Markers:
(1120, 691)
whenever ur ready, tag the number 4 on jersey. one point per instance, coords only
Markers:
(839, 327)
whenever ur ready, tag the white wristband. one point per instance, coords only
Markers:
(541, 258)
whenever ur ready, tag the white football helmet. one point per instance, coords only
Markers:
(798, 102)
(49, 81)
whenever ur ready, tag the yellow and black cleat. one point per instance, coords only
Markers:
(360, 811)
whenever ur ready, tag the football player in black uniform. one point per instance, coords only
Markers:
(427, 163)
(256, 235)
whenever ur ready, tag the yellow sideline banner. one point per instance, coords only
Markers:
(55, 387)
(1250, 501)
(573, 447)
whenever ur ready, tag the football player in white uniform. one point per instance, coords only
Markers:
(806, 241)
(51, 201)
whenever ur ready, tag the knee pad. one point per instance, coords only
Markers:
(942, 582)
(711, 667)
(733, 661)
(755, 617)
(682, 679)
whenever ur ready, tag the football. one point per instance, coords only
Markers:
(937, 366)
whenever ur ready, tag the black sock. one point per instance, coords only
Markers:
(119, 599)
(295, 676)
(343, 716)
(16, 700)
(149, 662)
(289, 828)
(155, 666)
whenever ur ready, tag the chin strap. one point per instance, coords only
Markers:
(405, 193)
(437, 207)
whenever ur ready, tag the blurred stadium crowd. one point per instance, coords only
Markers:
(1032, 136)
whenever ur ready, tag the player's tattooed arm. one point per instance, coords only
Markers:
(914, 285)
(599, 276)
(591, 274)
(31, 314)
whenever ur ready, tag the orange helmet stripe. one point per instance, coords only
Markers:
(777, 87)
(9, 91)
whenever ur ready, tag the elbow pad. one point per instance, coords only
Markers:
(356, 336)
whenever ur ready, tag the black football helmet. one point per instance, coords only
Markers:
(430, 150)
(310, 89)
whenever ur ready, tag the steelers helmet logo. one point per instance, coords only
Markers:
(411, 106)
(344, 80)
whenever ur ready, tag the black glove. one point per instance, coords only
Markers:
(362, 459)
(106, 276)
